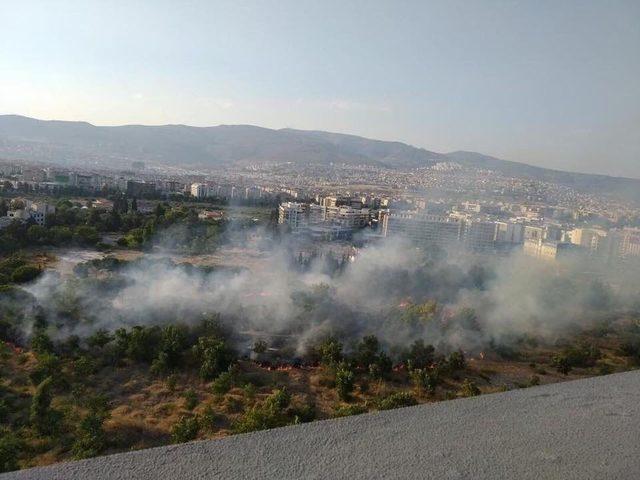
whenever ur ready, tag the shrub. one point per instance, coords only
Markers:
(420, 355)
(269, 414)
(10, 447)
(185, 430)
(304, 413)
(85, 366)
(348, 410)
(25, 274)
(190, 399)
(469, 389)
(397, 400)
(561, 363)
(86, 235)
(424, 380)
(208, 418)
(223, 383)
(41, 343)
(456, 361)
(345, 380)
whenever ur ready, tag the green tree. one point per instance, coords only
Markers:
(330, 351)
(420, 355)
(60, 235)
(367, 351)
(91, 438)
(40, 414)
(86, 235)
(37, 234)
(172, 344)
(214, 355)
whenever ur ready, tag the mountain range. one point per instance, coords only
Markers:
(182, 145)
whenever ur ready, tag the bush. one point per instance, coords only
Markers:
(397, 400)
(348, 410)
(561, 363)
(208, 418)
(420, 355)
(424, 380)
(223, 383)
(10, 447)
(345, 380)
(185, 430)
(456, 361)
(86, 235)
(469, 389)
(85, 366)
(304, 413)
(41, 343)
(269, 414)
(190, 399)
(25, 274)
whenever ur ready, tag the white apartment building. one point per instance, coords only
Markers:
(422, 228)
(199, 190)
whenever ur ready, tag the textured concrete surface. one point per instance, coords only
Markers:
(587, 429)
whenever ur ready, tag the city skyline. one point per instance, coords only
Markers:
(540, 83)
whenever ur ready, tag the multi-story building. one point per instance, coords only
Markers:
(199, 190)
(38, 212)
(293, 214)
(509, 232)
(552, 251)
(479, 235)
(347, 216)
(422, 228)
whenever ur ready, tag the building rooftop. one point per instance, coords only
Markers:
(574, 430)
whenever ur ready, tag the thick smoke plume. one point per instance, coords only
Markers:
(391, 289)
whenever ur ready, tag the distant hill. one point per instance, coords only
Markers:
(205, 146)
(182, 145)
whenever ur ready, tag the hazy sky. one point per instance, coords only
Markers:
(553, 83)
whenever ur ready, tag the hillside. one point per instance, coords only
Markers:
(204, 146)
(182, 145)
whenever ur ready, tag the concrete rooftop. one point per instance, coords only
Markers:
(586, 429)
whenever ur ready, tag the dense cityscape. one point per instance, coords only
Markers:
(441, 206)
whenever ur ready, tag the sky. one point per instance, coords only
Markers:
(551, 83)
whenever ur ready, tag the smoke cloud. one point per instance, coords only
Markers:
(390, 289)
